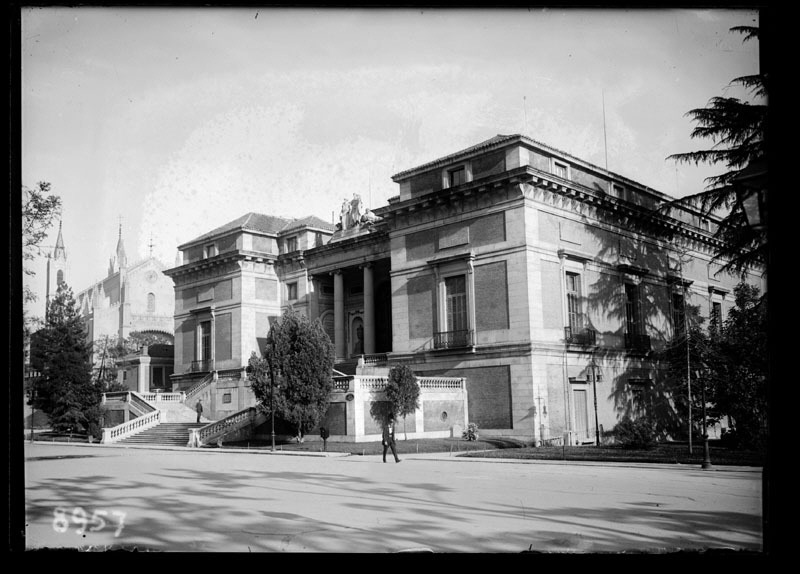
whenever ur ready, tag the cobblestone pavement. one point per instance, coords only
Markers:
(99, 497)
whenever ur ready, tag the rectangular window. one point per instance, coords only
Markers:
(560, 169)
(205, 340)
(633, 312)
(291, 244)
(291, 291)
(226, 398)
(574, 314)
(209, 251)
(457, 176)
(716, 314)
(678, 314)
(456, 302)
(619, 191)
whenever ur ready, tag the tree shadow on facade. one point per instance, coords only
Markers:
(630, 308)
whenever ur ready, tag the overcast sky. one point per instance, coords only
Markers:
(179, 120)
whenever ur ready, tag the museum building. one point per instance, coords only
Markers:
(533, 284)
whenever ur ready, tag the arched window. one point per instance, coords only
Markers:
(60, 277)
(151, 302)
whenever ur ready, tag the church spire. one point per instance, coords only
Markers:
(122, 260)
(59, 253)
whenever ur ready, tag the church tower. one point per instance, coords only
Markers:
(56, 269)
(124, 303)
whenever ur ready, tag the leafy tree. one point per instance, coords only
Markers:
(301, 358)
(402, 393)
(66, 392)
(39, 210)
(738, 130)
(737, 365)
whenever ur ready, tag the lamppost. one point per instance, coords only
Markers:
(706, 465)
(249, 370)
(595, 377)
(271, 400)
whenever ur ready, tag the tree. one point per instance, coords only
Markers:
(301, 356)
(737, 367)
(402, 393)
(738, 129)
(39, 210)
(66, 392)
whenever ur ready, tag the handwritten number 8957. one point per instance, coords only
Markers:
(80, 517)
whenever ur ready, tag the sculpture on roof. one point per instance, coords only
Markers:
(356, 209)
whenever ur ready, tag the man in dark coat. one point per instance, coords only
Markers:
(388, 439)
(199, 408)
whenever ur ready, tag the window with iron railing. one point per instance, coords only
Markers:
(574, 310)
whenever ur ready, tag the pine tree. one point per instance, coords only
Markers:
(738, 129)
(66, 392)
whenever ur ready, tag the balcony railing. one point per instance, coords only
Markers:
(203, 366)
(580, 336)
(639, 343)
(452, 339)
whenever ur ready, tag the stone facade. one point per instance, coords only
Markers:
(534, 276)
(134, 297)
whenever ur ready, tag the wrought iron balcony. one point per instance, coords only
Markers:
(580, 337)
(640, 343)
(203, 366)
(452, 339)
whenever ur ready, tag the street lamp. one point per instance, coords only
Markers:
(753, 181)
(249, 370)
(595, 377)
(706, 465)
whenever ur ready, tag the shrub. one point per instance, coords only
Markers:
(635, 433)
(471, 432)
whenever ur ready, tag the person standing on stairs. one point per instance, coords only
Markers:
(199, 408)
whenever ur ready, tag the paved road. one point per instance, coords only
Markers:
(217, 501)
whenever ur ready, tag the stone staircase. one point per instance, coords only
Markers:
(163, 434)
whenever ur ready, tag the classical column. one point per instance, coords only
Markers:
(144, 374)
(213, 335)
(338, 314)
(369, 311)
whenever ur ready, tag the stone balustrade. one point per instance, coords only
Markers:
(201, 436)
(198, 388)
(164, 397)
(133, 426)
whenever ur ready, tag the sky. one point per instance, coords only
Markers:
(170, 122)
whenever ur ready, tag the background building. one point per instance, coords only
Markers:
(134, 297)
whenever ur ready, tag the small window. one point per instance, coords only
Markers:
(291, 244)
(226, 398)
(327, 289)
(151, 302)
(291, 291)
(356, 289)
(560, 169)
(457, 176)
(618, 191)
(209, 251)
(678, 314)
(716, 314)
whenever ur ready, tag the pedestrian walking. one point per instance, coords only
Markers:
(199, 408)
(388, 439)
(324, 434)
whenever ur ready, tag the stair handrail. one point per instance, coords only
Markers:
(195, 389)
(133, 426)
(236, 421)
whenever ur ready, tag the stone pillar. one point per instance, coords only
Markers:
(338, 314)
(369, 311)
(144, 375)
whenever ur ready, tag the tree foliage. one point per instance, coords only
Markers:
(39, 210)
(738, 131)
(737, 364)
(66, 391)
(402, 392)
(300, 356)
(730, 361)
